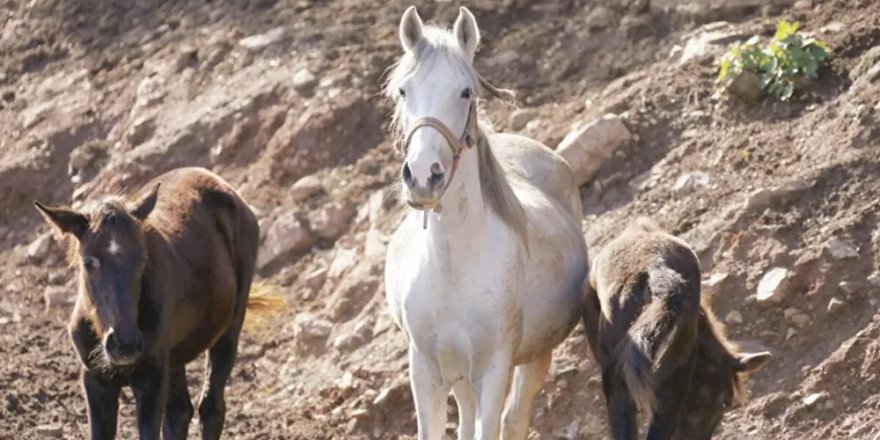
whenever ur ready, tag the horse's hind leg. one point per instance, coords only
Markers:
(221, 358)
(179, 410)
(467, 409)
(527, 381)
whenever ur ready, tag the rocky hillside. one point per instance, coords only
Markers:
(281, 98)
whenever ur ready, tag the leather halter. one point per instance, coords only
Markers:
(467, 140)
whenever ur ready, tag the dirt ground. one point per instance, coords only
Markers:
(100, 96)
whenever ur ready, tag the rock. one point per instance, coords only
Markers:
(835, 306)
(50, 431)
(259, 41)
(812, 399)
(315, 279)
(867, 63)
(80, 158)
(287, 234)
(796, 317)
(687, 183)
(790, 333)
(709, 39)
(734, 317)
(368, 165)
(847, 287)
(150, 91)
(304, 82)
(520, 117)
(358, 337)
(330, 222)
(840, 249)
(306, 187)
(342, 261)
(142, 129)
(772, 287)
(746, 86)
(716, 279)
(502, 58)
(39, 249)
(802, 5)
(58, 296)
(874, 279)
(311, 330)
(600, 18)
(374, 245)
(587, 147)
(834, 27)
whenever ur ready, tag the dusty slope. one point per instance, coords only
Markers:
(99, 96)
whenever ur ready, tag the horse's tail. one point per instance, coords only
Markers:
(648, 339)
(264, 300)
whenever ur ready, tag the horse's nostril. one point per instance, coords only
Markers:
(407, 174)
(436, 174)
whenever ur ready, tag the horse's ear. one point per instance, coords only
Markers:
(144, 205)
(411, 28)
(66, 220)
(466, 32)
(748, 362)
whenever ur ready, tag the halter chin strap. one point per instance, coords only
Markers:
(457, 144)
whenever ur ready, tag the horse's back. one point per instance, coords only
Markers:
(209, 247)
(535, 164)
(557, 259)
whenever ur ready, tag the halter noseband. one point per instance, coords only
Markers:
(467, 140)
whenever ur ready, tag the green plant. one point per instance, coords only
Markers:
(788, 59)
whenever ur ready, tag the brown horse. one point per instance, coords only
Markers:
(161, 280)
(659, 346)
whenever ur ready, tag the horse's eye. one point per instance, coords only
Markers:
(91, 263)
(466, 93)
(402, 93)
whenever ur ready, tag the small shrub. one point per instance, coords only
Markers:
(789, 58)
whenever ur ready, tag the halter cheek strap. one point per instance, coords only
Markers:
(467, 140)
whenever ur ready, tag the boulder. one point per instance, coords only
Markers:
(311, 330)
(58, 296)
(306, 187)
(259, 41)
(773, 286)
(39, 249)
(521, 117)
(840, 249)
(601, 18)
(286, 235)
(331, 220)
(304, 82)
(589, 146)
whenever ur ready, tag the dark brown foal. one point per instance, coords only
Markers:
(162, 278)
(660, 349)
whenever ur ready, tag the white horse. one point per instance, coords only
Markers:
(485, 289)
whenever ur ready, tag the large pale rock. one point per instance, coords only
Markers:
(331, 221)
(306, 187)
(311, 330)
(589, 146)
(520, 117)
(840, 249)
(772, 287)
(259, 41)
(39, 248)
(287, 234)
(58, 296)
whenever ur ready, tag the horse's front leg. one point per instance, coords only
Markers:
(492, 386)
(429, 393)
(102, 399)
(150, 386)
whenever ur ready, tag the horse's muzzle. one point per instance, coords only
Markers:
(122, 351)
